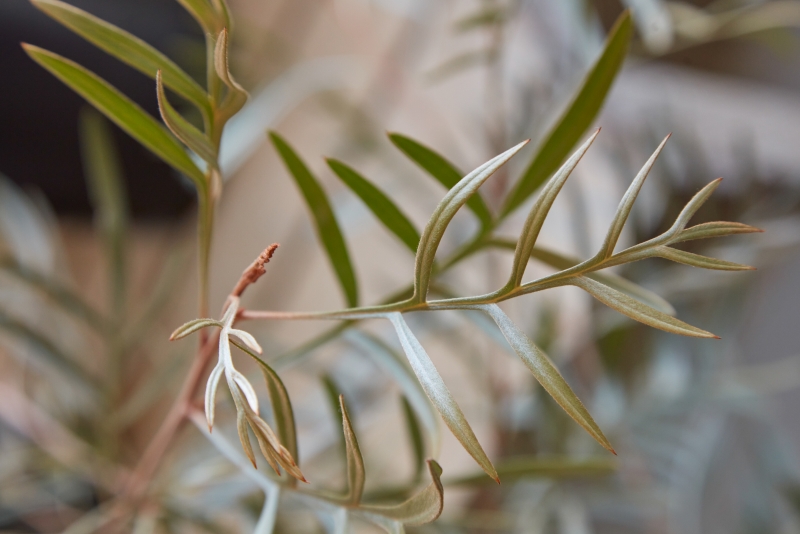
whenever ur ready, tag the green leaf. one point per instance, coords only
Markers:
(383, 208)
(546, 373)
(193, 326)
(714, 229)
(579, 115)
(127, 48)
(415, 436)
(442, 170)
(355, 462)
(538, 214)
(327, 227)
(120, 109)
(525, 467)
(183, 129)
(205, 15)
(696, 260)
(107, 191)
(636, 310)
(439, 395)
(237, 96)
(422, 508)
(444, 213)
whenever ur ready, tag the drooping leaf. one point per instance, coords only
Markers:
(538, 214)
(183, 129)
(524, 467)
(127, 48)
(375, 199)
(696, 260)
(120, 109)
(193, 326)
(355, 463)
(444, 213)
(578, 116)
(422, 508)
(415, 436)
(636, 310)
(439, 395)
(327, 227)
(715, 229)
(237, 96)
(546, 373)
(442, 170)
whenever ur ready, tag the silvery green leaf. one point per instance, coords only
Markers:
(241, 425)
(246, 338)
(546, 373)
(578, 116)
(625, 205)
(441, 169)
(127, 48)
(183, 129)
(245, 386)
(193, 326)
(355, 462)
(439, 395)
(714, 229)
(327, 227)
(377, 201)
(636, 310)
(211, 393)
(696, 260)
(420, 509)
(538, 214)
(515, 468)
(120, 109)
(237, 96)
(444, 213)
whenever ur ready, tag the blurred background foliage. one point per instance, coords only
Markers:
(95, 278)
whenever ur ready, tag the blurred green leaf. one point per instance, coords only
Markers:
(538, 214)
(579, 115)
(422, 508)
(439, 395)
(442, 170)
(183, 129)
(383, 208)
(415, 436)
(204, 14)
(121, 110)
(523, 467)
(355, 463)
(715, 229)
(636, 310)
(444, 213)
(193, 326)
(696, 260)
(127, 48)
(546, 373)
(486, 16)
(327, 227)
(332, 395)
(237, 96)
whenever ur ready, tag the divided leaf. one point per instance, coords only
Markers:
(120, 109)
(327, 227)
(441, 169)
(444, 213)
(546, 373)
(183, 129)
(440, 396)
(383, 208)
(577, 118)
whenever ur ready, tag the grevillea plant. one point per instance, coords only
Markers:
(193, 150)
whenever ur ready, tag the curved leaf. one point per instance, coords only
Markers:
(579, 115)
(383, 208)
(193, 326)
(204, 14)
(420, 509)
(183, 129)
(355, 462)
(237, 96)
(442, 170)
(120, 109)
(327, 227)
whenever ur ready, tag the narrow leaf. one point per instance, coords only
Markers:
(442, 170)
(579, 115)
(183, 129)
(127, 48)
(440, 396)
(444, 213)
(626, 204)
(696, 260)
(375, 199)
(546, 373)
(193, 326)
(204, 14)
(332, 395)
(120, 109)
(540, 467)
(355, 463)
(415, 436)
(269, 513)
(538, 214)
(237, 96)
(636, 310)
(420, 509)
(715, 229)
(327, 227)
